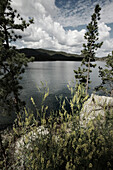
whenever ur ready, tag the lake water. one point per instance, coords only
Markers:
(57, 75)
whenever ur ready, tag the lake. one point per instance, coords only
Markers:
(57, 75)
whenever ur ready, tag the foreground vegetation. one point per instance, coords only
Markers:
(59, 140)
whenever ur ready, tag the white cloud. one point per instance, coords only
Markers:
(104, 31)
(106, 48)
(104, 35)
(74, 38)
(48, 31)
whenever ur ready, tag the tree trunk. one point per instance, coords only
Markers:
(87, 83)
(6, 37)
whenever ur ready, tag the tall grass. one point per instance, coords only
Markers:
(59, 141)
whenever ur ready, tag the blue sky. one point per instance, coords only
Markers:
(61, 24)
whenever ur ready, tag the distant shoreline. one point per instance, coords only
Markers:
(43, 55)
(47, 55)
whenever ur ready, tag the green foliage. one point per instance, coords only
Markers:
(8, 25)
(12, 64)
(91, 36)
(62, 142)
(107, 76)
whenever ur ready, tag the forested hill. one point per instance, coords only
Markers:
(47, 55)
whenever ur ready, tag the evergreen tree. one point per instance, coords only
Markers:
(91, 36)
(12, 63)
(107, 76)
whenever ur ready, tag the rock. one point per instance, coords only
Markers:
(31, 136)
(25, 143)
(95, 106)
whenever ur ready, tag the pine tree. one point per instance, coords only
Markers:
(12, 63)
(91, 36)
(107, 76)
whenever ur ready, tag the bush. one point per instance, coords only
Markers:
(61, 142)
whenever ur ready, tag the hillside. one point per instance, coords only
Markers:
(101, 58)
(47, 55)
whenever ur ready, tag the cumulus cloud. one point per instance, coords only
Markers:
(48, 31)
(106, 48)
(104, 31)
(104, 35)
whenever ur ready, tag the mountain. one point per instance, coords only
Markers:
(47, 55)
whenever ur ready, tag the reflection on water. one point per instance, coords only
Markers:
(57, 75)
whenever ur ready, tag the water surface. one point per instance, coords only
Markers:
(57, 75)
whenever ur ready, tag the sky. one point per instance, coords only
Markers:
(60, 25)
